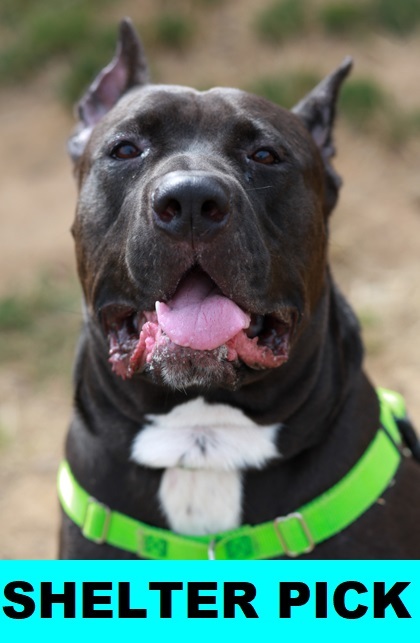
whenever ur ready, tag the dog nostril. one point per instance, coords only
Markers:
(171, 210)
(190, 203)
(211, 210)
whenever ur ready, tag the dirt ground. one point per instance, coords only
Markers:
(375, 244)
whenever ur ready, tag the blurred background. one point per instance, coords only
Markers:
(49, 52)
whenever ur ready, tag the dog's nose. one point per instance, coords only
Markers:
(189, 204)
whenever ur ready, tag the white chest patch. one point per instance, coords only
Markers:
(203, 448)
(198, 435)
(201, 502)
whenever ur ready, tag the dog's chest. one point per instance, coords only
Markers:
(203, 449)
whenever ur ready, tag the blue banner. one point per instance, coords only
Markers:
(210, 601)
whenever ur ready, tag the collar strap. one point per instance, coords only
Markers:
(292, 535)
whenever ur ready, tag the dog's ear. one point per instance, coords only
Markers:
(127, 69)
(317, 111)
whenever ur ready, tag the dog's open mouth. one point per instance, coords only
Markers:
(200, 319)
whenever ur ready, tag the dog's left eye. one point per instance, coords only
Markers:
(266, 157)
(125, 150)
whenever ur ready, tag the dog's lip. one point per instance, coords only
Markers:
(266, 343)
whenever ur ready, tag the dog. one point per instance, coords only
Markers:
(221, 408)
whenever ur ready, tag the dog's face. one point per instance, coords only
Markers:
(201, 227)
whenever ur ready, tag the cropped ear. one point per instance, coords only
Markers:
(127, 69)
(317, 111)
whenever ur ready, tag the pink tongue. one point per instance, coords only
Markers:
(199, 316)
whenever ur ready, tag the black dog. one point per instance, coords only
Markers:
(221, 410)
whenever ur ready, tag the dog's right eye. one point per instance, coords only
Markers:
(125, 150)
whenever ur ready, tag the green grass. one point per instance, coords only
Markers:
(400, 17)
(171, 30)
(51, 33)
(402, 126)
(281, 20)
(361, 100)
(344, 18)
(12, 12)
(15, 314)
(39, 329)
(42, 35)
(285, 90)
(39, 32)
(210, 3)
(284, 19)
(367, 107)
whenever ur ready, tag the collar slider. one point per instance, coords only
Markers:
(284, 527)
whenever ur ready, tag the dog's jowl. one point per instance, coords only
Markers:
(221, 409)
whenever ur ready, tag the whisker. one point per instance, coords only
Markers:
(265, 187)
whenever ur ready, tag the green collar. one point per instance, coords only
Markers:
(292, 535)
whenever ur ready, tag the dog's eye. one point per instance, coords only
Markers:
(125, 150)
(266, 157)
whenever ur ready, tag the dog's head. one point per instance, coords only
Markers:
(201, 226)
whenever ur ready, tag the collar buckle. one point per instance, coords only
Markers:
(283, 520)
